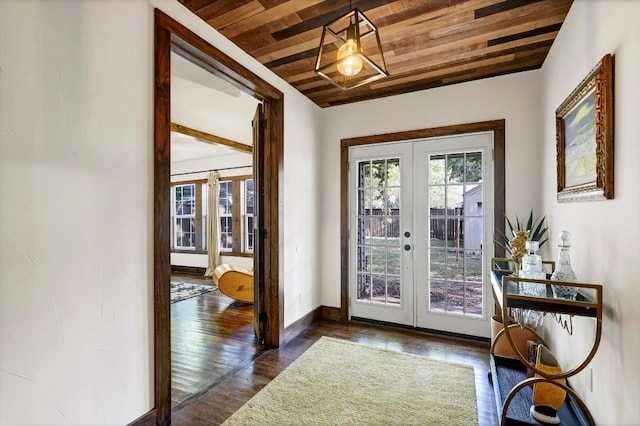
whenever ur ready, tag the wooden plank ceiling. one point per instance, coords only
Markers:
(426, 43)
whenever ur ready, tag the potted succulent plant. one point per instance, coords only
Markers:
(537, 231)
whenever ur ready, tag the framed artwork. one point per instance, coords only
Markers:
(584, 138)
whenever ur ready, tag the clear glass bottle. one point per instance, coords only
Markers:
(532, 262)
(532, 268)
(563, 271)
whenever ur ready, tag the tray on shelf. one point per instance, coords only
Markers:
(508, 372)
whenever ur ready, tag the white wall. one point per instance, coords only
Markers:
(76, 180)
(514, 98)
(603, 232)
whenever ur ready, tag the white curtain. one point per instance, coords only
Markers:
(213, 224)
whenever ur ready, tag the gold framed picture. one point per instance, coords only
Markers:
(584, 138)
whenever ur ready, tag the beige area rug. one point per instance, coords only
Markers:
(337, 382)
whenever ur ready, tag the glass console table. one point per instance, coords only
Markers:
(513, 390)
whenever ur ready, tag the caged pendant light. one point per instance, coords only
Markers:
(350, 54)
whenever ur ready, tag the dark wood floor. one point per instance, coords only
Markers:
(211, 336)
(242, 375)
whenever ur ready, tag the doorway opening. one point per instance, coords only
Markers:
(212, 230)
(170, 36)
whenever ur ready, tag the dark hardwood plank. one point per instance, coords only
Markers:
(501, 7)
(525, 34)
(227, 396)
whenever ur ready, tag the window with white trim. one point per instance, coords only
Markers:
(225, 213)
(236, 204)
(184, 216)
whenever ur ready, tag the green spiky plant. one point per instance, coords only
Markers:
(537, 231)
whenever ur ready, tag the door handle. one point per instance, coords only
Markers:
(407, 247)
(407, 234)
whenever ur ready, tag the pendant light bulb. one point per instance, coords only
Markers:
(350, 63)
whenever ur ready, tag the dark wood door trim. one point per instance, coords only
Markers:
(172, 36)
(496, 126)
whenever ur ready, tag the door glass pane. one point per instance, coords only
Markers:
(455, 196)
(364, 286)
(473, 299)
(455, 168)
(473, 229)
(455, 297)
(378, 231)
(393, 261)
(393, 289)
(438, 296)
(473, 265)
(436, 170)
(456, 233)
(436, 198)
(438, 264)
(473, 167)
(454, 226)
(379, 288)
(455, 265)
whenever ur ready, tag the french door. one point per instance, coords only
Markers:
(418, 232)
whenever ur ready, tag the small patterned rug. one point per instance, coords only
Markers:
(181, 291)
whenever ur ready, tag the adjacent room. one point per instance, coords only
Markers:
(319, 212)
(212, 206)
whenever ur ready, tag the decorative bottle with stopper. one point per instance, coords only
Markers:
(564, 272)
